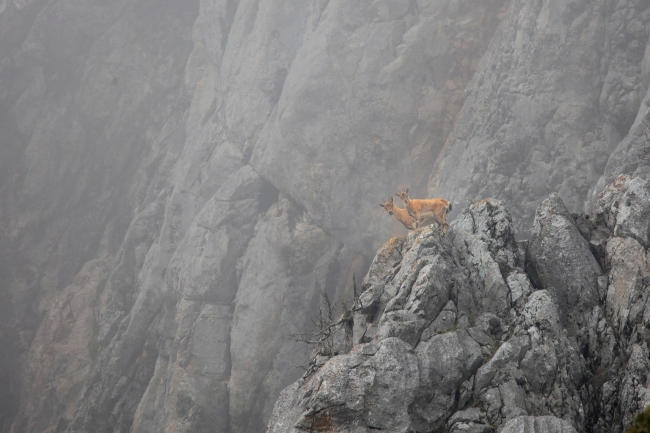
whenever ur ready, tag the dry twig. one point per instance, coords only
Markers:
(324, 327)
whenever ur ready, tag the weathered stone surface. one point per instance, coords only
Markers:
(625, 157)
(442, 376)
(529, 365)
(538, 424)
(402, 324)
(412, 57)
(519, 286)
(413, 282)
(563, 262)
(626, 205)
(349, 392)
(559, 88)
(626, 296)
(510, 352)
(443, 323)
(485, 236)
(62, 351)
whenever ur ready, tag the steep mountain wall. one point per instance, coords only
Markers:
(557, 105)
(476, 332)
(181, 180)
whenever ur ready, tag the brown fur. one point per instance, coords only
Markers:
(400, 214)
(427, 211)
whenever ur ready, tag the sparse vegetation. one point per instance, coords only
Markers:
(641, 423)
(324, 328)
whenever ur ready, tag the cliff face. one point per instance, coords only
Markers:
(474, 331)
(181, 180)
(557, 105)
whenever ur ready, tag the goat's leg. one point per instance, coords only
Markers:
(430, 217)
(427, 218)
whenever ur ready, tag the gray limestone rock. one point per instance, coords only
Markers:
(470, 420)
(443, 323)
(558, 253)
(626, 298)
(509, 353)
(542, 312)
(402, 324)
(413, 289)
(626, 206)
(538, 424)
(519, 286)
(349, 392)
(533, 365)
(560, 88)
(442, 376)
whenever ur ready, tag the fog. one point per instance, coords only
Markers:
(180, 181)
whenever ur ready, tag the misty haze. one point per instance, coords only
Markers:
(292, 216)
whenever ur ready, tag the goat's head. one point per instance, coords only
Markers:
(388, 205)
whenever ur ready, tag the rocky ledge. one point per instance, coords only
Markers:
(476, 331)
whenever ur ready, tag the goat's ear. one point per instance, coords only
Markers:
(383, 205)
(390, 198)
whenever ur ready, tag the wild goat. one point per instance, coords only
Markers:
(425, 212)
(400, 214)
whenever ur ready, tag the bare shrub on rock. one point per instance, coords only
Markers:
(328, 336)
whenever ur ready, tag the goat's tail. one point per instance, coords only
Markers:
(449, 208)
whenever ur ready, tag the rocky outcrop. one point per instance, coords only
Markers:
(474, 332)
